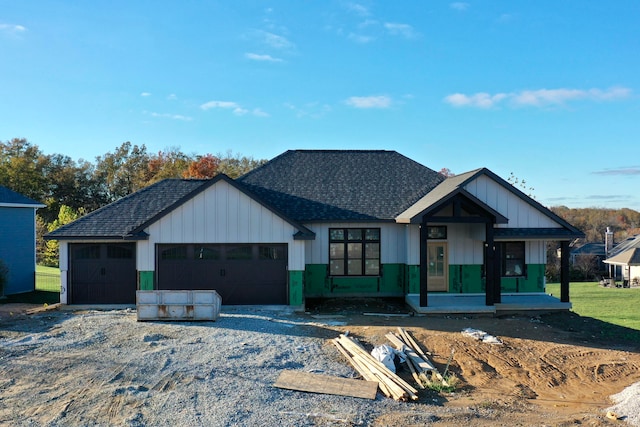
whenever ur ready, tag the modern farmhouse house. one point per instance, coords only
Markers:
(317, 223)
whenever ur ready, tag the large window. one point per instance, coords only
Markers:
(354, 251)
(513, 259)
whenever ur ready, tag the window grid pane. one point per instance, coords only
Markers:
(354, 251)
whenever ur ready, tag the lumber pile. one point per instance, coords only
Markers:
(390, 384)
(422, 370)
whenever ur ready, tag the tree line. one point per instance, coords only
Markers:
(71, 188)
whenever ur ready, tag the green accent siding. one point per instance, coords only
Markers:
(145, 279)
(316, 282)
(392, 280)
(533, 282)
(465, 279)
(296, 280)
(413, 279)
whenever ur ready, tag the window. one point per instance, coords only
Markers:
(437, 232)
(175, 252)
(206, 252)
(271, 253)
(119, 252)
(354, 251)
(87, 252)
(237, 253)
(513, 259)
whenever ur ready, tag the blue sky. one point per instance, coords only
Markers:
(546, 90)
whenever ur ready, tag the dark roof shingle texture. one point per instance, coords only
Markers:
(325, 185)
(122, 217)
(8, 196)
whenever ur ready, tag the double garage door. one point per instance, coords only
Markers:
(240, 273)
(105, 273)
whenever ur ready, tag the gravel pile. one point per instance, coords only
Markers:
(627, 405)
(105, 368)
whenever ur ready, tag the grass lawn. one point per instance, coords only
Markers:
(617, 306)
(47, 270)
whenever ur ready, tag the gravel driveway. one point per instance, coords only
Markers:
(104, 368)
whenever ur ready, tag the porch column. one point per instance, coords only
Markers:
(564, 271)
(423, 264)
(489, 258)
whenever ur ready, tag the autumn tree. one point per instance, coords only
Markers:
(234, 165)
(203, 167)
(171, 163)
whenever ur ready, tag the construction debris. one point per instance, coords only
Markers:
(481, 336)
(371, 369)
(326, 384)
(422, 370)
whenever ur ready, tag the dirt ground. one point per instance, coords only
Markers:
(551, 369)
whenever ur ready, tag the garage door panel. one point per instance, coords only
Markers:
(240, 273)
(103, 273)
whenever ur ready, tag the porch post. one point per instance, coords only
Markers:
(564, 271)
(489, 257)
(423, 264)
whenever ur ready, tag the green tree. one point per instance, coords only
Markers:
(50, 253)
(22, 166)
(122, 172)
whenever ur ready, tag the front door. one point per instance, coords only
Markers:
(437, 267)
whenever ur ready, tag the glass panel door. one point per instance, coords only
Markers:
(437, 267)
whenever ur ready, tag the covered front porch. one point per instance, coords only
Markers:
(523, 303)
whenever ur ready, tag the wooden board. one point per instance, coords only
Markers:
(316, 383)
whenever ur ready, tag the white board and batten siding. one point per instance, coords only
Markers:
(392, 241)
(465, 243)
(220, 214)
(520, 213)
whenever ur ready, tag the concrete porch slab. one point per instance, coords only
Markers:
(475, 303)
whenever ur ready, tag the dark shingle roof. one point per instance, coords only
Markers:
(325, 185)
(10, 197)
(124, 218)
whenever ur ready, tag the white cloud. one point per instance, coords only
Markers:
(235, 108)
(313, 110)
(275, 41)
(172, 97)
(461, 6)
(380, 101)
(397, 29)
(12, 29)
(536, 98)
(360, 38)
(358, 9)
(263, 58)
(145, 94)
(480, 100)
(218, 104)
(259, 113)
(171, 116)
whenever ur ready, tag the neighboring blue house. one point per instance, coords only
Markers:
(18, 240)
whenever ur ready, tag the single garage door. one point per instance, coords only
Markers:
(102, 273)
(240, 273)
